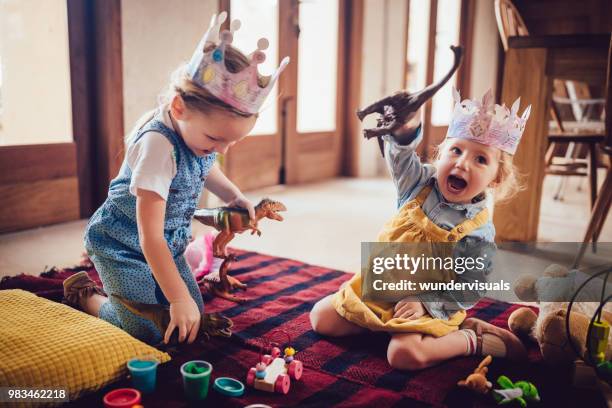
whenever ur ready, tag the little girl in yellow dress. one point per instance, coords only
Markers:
(440, 202)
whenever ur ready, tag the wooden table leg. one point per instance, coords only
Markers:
(593, 172)
(598, 216)
(525, 76)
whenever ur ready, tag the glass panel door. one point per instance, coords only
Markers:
(35, 100)
(260, 19)
(418, 45)
(256, 160)
(447, 33)
(39, 180)
(318, 66)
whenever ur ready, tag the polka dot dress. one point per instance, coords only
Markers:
(111, 237)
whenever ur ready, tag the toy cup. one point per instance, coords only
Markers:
(122, 398)
(144, 373)
(196, 376)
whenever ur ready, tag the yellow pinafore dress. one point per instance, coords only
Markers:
(410, 224)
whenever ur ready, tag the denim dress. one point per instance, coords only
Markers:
(112, 243)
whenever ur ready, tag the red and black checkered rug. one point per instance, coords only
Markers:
(345, 372)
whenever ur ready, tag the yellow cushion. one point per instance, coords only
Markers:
(48, 344)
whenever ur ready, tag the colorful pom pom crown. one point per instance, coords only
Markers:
(488, 123)
(240, 90)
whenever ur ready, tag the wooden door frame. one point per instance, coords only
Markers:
(96, 72)
(353, 46)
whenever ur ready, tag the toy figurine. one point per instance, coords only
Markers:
(289, 353)
(260, 370)
(520, 391)
(477, 381)
(277, 371)
(230, 221)
(211, 324)
(397, 109)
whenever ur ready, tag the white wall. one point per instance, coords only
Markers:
(157, 36)
(382, 68)
(36, 101)
(485, 50)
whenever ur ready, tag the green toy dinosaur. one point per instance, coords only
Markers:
(230, 221)
(520, 391)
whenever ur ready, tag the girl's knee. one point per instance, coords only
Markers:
(406, 355)
(320, 317)
(326, 321)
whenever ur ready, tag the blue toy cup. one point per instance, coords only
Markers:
(144, 373)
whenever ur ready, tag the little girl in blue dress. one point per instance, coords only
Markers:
(138, 237)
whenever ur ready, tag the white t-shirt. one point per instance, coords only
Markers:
(152, 162)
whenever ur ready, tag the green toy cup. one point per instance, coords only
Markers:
(196, 376)
(143, 370)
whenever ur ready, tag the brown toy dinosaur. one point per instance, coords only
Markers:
(477, 381)
(230, 221)
(211, 324)
(400, 107)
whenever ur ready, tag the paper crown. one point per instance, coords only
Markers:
(488, 123)
(241, 89)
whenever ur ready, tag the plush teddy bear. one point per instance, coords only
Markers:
(548, 327)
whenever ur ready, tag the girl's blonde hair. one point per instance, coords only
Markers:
(507, 182)
(194, 95)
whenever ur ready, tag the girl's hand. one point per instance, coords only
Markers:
(185, 316)
(409, 308)
(406, 131)
(242, 202)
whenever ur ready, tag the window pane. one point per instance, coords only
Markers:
(318, 66)
(447, 34)
(35, 105)
(418, 39)
(260, 19)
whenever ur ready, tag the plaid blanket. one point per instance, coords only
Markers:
(344, 372)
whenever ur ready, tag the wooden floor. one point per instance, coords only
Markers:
(325, 224)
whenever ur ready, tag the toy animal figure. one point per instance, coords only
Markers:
(399, 108)
(520, 391)
(230, 221)
(477, 381)
(211, 324)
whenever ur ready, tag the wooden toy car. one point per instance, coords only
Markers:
(274, 373)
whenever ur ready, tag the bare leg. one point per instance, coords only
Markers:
(414, 351)
(92, 304)
(326, 321)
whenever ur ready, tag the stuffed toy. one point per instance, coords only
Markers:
(552, 291)
(477, 381)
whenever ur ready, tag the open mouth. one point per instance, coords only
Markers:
(455, 184)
